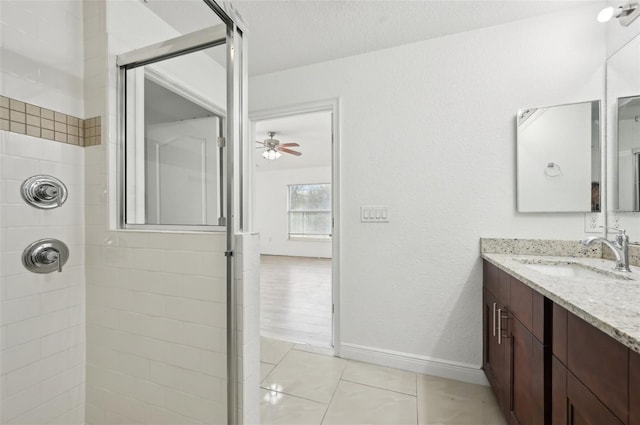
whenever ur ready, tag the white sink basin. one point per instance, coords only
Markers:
(571, 270)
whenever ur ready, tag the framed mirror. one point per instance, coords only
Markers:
(623, 136)
(558, 158)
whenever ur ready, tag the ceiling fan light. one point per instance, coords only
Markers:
(271, 154)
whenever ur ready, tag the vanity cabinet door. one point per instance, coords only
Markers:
(601, 363)
(634, 388)
(573, 403)
(525, 381)
(492, 353)
(584, 408)
(559, 398)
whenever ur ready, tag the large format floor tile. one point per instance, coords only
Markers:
(443, 401)
(283, 409)
(306, 375)
(361, 404)
(265, 369)
(273, 350)
(381, 377)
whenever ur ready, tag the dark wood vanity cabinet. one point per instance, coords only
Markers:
(513, 356)
(492, 358)
(634, 388)
(550, 367)
(590, 376)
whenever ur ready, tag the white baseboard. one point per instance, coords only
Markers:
(464, 372)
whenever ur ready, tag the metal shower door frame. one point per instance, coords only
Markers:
(231, 34)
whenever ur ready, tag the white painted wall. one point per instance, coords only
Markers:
(43, 332)
(271, 211)
(429, 130)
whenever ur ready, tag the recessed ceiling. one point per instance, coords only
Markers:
(311, 131)
(289, 34)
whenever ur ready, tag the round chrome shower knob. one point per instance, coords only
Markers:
(45, 256)
(44, 192)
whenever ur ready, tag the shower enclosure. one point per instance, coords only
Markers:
(132, 315)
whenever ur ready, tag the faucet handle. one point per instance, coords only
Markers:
(617, 229)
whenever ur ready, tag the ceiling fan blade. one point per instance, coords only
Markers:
(281, 149)
(288, 145)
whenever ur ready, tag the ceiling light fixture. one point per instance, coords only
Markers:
(625, 14)
(271, 154)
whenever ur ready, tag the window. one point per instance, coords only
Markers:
(310, 211)
(174, 162)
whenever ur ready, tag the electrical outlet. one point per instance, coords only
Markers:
(615, 221)
(592, 223)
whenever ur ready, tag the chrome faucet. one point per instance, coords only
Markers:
(620, 248)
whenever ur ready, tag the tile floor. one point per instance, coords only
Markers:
(305, 385)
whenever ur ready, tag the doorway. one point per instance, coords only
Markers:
(295, 210)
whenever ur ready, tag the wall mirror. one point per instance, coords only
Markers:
(623, 100)
(558, 158)
(629, 153)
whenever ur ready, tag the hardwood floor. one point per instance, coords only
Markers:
(295, 299)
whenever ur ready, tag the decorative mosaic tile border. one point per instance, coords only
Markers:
(24, 118)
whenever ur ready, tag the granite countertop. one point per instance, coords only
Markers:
(611, 305)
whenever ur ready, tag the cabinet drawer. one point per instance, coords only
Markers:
(505, 288)
(521, 303)
(541, 318)
(491, 278)
(601, 363)
(497, 282)
(634, 388)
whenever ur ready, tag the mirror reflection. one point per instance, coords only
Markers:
(629, 153)
(558, 158)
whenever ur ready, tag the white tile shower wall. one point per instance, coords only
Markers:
(42, 53)
(43, 344)
(156, 324)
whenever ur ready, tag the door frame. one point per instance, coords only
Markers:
(332, 105)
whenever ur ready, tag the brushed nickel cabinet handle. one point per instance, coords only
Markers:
(494, 319)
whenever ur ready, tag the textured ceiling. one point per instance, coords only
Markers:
(288, 34)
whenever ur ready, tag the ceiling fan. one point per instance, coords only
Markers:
(274, 147)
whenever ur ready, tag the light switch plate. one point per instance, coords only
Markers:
(374, 214)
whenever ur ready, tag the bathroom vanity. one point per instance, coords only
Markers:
(561, 339)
